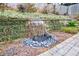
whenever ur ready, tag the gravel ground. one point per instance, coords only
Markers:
(17, 48)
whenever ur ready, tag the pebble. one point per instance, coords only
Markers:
(41, 41)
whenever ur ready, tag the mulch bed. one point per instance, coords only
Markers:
(17, 48)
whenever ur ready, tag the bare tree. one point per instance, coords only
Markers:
(21, 8)
(28, 7)
(2, 6)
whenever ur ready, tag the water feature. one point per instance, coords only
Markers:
(39, 35)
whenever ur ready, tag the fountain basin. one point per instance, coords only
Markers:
(44, 40)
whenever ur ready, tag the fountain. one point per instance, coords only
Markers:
(39, 37)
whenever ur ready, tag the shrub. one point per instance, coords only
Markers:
(26, 7)
(71, 30)
(72, 23)
(31, 8)
(21, 8)
(55, 25)
(12, 29)
(76, 17)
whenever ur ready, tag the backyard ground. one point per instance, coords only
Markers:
(12, 26)
(17, 48)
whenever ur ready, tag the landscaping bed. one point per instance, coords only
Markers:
(18, 48)
(15, 27)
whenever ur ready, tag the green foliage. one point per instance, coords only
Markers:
(71, 30)
(72, 23)
(54, 25)
(12, 24)
(78, 23)
(11, 29)
(13, 14)
(72, 27)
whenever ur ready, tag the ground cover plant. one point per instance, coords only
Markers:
(71, 27)
(14, 14)
(11, 23)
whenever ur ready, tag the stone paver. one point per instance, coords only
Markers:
(73, 52)
(69, 47)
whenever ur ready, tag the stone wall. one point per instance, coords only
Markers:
(72, 10)
(57, 8)
(60, 9)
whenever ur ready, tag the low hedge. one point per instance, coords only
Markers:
(71, 30)
(12, 29)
